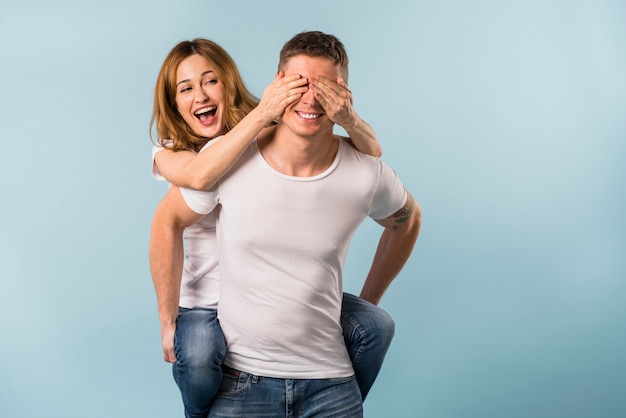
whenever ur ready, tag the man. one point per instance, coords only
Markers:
(289, 208)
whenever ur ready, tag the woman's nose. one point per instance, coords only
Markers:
(200, 95)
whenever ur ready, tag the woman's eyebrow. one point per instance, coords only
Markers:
(201, 75)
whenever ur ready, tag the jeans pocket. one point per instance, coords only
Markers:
(234, 382)
(340, 380)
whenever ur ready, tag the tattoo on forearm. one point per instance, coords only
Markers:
(403, 214)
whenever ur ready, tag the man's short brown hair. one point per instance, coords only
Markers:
(316, 44)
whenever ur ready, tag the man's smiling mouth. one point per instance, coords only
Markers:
(309, 115)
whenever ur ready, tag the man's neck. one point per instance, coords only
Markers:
(297, 156)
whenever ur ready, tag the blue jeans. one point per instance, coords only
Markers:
(247, 395)
(367, 331)
(200, 348)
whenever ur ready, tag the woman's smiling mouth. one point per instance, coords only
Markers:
(205, 113)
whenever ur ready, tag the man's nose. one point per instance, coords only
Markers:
(308, 96)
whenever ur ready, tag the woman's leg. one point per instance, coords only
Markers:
(368, 331)
(199, 347)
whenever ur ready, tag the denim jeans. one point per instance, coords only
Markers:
(246, 395)
(200, 348)
(367, 331)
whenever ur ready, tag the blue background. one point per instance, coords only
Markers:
(504, 118)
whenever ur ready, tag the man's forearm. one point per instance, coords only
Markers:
(166, 264)
(393, 251)
(166, 261)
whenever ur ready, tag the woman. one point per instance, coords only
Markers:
(200, 96)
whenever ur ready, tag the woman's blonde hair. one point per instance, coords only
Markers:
(171, 129)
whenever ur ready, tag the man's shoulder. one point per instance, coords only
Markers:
(351, 154)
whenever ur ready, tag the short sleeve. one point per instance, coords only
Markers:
(202, 202)
(390, 195)
(155, 170)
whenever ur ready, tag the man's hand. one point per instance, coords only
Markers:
(336, 99)
(167, 339)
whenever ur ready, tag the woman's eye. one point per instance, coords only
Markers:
(185, 89)
(211, 81)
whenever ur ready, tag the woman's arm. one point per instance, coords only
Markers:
(201, 171)
(336, 99)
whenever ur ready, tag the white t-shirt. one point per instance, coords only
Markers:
(200, 279)
(282, 244)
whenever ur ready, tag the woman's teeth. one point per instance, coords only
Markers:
(205, 110)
